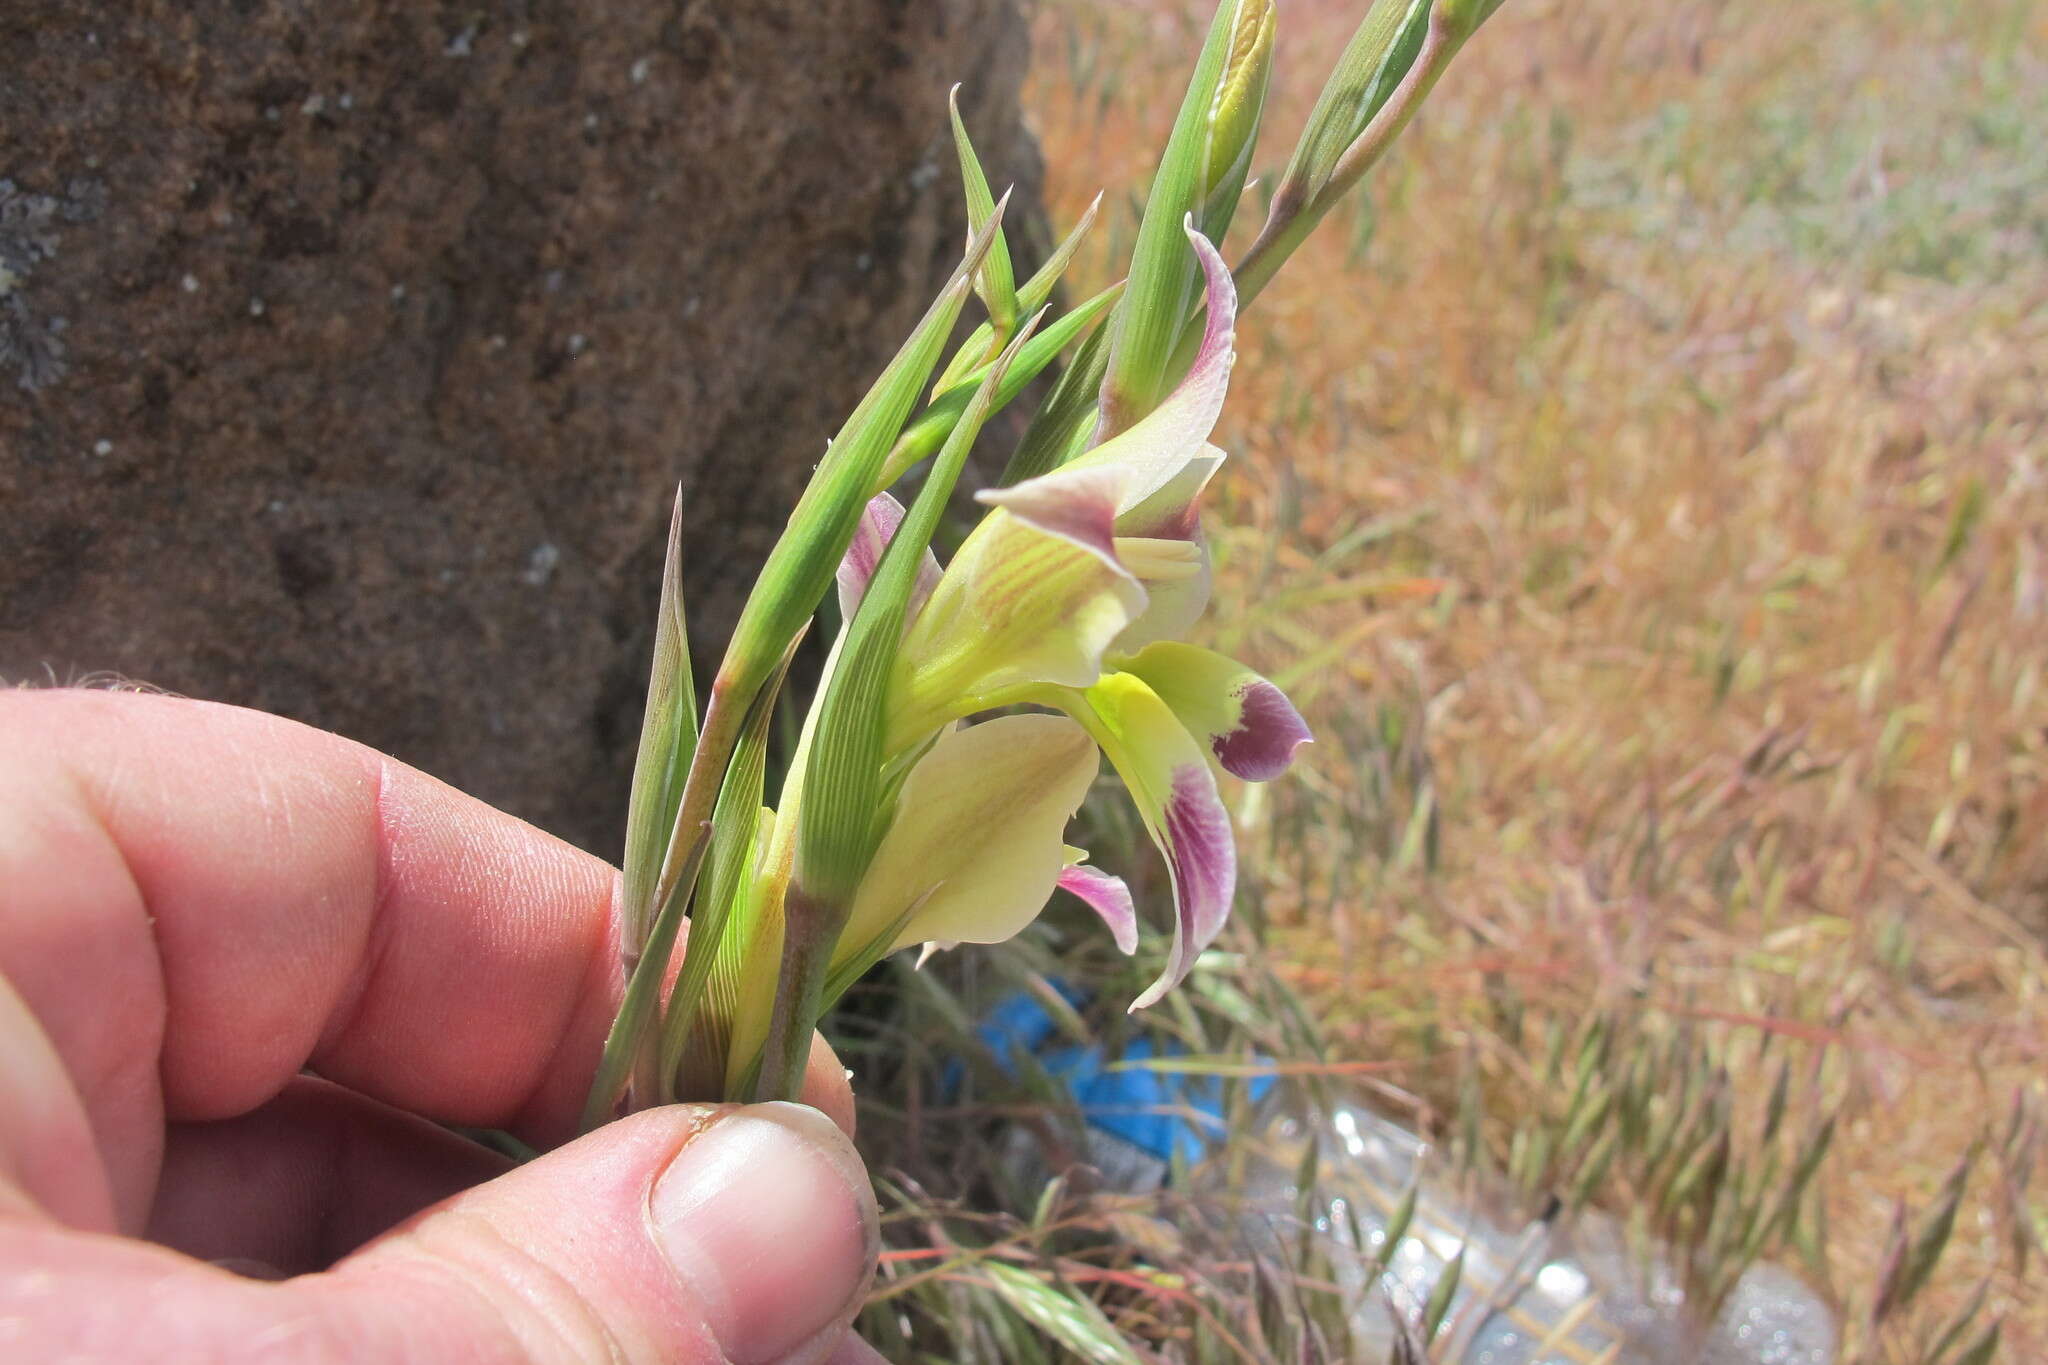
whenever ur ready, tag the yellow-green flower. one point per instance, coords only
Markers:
(1069, 596)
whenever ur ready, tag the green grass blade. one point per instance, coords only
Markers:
(1064, 1315)
(1163, 266)
(731, 860)
(636, 1010)
(668, 738)
(995, 281)
(924, 436)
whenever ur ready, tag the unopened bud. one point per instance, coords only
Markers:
(1234, 113)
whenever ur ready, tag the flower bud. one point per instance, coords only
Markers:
(1234, 113)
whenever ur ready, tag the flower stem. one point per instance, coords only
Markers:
(1292, 218)
(810, 928)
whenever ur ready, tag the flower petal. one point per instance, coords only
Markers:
(1171, 509)
(1020, 604)
(1168, 776)
(1108, 897)
(975, 848)
(1079, 505)
(1177, 579)
(878, 523)
(1158, 448)
(1247, 722)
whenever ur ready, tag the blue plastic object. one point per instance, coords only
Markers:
(1168, 1115)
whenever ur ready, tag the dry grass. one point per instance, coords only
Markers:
(1647, 496)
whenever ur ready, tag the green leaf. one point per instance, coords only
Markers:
(636, 1009)
(843, 811)
(1032, 295)
(800, 567)
(1439, 1306)
(668, 738)
(1162, 278)
(840, 826)
(925, 435)
(731, 862)
(1380, 52)
(994, 282)
(1391, 65)
(1065, 421)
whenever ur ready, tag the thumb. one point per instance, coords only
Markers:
(688, 1234)
(693, 1235)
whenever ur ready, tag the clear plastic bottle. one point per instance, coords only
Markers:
(1555, 1290)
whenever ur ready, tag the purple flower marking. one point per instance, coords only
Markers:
(1268, 732)
(1203, 859)
(1108, 897)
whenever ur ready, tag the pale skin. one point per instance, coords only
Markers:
(247, 972)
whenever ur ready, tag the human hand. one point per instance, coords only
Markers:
(198, 905)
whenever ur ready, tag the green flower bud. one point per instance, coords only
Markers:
(1234, 113)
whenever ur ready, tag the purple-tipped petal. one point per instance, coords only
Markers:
(1168, 774)
(1202, 856)
(1251, 728)
(1076, 504)
(1213, 360)
(878, 523)
(1155, 451)
(1108, 897)
(1268, 732)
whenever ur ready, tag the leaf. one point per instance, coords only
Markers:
(1147, 324)
(731, 861)
(842, 783)
(842, 796)
(994, 282)
(668, 738)
(636, 1009)
(805, 558)
(929, 431)
(1380, 52)
(1446, 1289)
(1060, 428)
(1032, 295)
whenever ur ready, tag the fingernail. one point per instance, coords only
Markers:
(769, 1220)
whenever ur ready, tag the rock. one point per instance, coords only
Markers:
(350, 355)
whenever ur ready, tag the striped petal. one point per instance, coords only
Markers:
(975, 847)
(1248, 723)
(1035, 596)
(1168, 776)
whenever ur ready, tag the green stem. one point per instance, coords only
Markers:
(809, 929)
(1292, 218)
(623, 1046)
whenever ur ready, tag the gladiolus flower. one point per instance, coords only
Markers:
(1068, 596)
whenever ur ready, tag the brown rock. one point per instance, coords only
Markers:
(349, 354)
